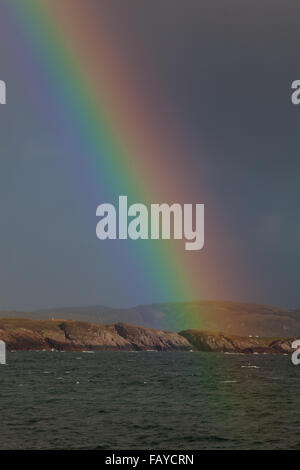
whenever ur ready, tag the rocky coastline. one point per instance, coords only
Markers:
(68, 335)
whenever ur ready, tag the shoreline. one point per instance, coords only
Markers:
(68, 335)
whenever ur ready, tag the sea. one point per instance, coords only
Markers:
(149, 400)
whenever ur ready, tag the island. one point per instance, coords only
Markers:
(69, 335)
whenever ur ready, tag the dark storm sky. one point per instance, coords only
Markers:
(226, 67)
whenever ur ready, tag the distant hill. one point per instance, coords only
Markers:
(234, 318)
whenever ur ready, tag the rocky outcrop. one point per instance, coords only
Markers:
(219, 342)
(149, 338)
(24, 334)
(67, 335)
(232, 318)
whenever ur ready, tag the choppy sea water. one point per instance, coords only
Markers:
(149, 400)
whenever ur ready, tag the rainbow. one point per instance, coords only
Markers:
(118, 119)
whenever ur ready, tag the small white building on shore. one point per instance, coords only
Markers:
(2, 352)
